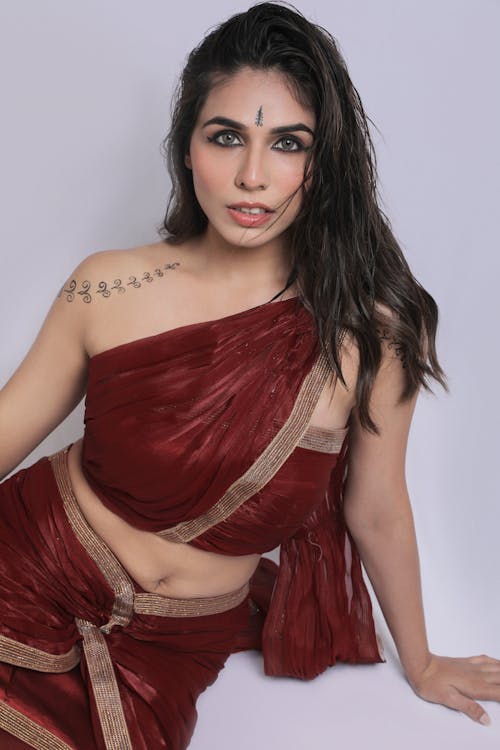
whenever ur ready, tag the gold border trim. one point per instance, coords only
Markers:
(105, 687)
(104, 558)
(29, 657)
(19, 725)
(323, 440)
(165, 606)
(266, 464)
(102, 676)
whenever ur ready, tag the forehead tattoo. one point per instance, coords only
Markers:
(259, 117)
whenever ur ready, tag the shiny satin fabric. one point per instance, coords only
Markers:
(49, 585)
(173, 420)
(314, 608)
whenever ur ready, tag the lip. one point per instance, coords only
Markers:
(250, 220)
(244, 204)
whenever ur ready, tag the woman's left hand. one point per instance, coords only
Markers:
(456, 681)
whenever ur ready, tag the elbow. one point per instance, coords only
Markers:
(359, 527)
(377, 513)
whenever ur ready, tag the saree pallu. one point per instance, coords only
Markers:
(88, 660)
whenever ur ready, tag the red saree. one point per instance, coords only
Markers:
(201, 435)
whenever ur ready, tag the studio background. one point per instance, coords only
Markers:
(86, 93)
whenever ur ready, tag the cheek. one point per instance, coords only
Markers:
(290, 176)
(207, 170)
(201, 175)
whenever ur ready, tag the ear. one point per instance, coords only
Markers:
(187, 161)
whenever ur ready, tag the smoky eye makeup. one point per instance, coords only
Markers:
(284, 143)
(225, 138)
(290, 144)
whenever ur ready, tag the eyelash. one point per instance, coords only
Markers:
(300, 146)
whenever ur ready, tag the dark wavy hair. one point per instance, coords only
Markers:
(350, 271)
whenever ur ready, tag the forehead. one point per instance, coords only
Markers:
(239, 96)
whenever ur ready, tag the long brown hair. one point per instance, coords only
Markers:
(350, 270)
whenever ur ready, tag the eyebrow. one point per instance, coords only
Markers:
(298, 126)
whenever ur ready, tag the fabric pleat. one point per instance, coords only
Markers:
(48, 584)
(314, 609)
(172, 423)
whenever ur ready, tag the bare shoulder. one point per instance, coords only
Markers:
(107, 274)
(336, 401)
(124, 294)
(349, 350)
(390, 378)
(390, 345)
(110, 297)
(376, 486)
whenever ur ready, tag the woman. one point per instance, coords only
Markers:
(249, 379)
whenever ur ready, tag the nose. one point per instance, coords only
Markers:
(251, 173)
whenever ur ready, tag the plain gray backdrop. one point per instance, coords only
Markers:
(86, 92)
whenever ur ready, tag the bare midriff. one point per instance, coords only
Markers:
(158, 565)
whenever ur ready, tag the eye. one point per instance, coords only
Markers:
(288, 144)
(225, 138)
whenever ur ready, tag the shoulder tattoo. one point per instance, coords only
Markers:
(69, 290)
(393, 344)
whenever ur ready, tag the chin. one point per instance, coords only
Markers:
(256, 241)
(244, 237)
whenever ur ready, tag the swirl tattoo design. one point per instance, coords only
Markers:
(393, 344)
(70, 290)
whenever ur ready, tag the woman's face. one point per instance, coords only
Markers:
(247, 153)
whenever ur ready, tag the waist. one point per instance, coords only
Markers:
(157, 565)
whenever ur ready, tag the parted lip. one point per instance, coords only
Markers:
(244, 204)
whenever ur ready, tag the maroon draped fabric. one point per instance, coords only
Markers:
(319, 611)
(48, 582)
(192, 428)
(172, 420)
(173, 423)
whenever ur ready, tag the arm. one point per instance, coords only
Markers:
(379, 517)
(49, 383)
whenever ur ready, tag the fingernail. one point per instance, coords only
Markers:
(485, 719)
(380, 647)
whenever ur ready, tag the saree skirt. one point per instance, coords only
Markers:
(88, 659)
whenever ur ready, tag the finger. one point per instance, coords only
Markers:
(490, 674)
(483, 658)
(468, 707)
(491, 666)
(485, 675)
(482, 691)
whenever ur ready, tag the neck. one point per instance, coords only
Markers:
(266, 266)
